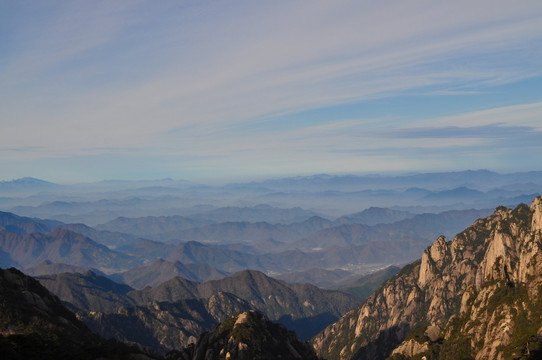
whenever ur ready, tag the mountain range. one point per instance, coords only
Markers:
(224, 248)
(303, 308)
(475, 297)
(273, 200)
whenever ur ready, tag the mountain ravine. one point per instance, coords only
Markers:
(476, 297)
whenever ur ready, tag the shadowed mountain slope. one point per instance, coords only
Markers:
(24, 225)
(35, 325)
(61, 246)
(166, 326)
(88, 291)
(364, 286)
(301, 307)
(247, 336)
(47, 267)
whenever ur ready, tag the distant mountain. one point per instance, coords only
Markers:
(25, 225)
(468, 178)
(458, 194)
(258, 213)
(61, 246)
(309, 226)
(376, 252)
(131, 245)
(91, 211)
(423, 226)
(374, 216)
(150, 225)
(110, 239)
(345, 244)
(229, 232)
(48, 267)
(154, 225)
(35, 325)
(182, 229)
(88, 291)
(364, 286)
(228, 260)
(165, 326)
(329, 195)
(162, 270)
(26, 184)
(219, 257)
(247, 336)
(263, 236)
(318, 277)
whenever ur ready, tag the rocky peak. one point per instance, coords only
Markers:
(536, 208)
(496, 257)
(432, 260)
(248, 335)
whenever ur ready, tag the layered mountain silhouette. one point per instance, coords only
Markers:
(162, 270)
(61, 246)
(48, 267)
(25, 225)
(226, 247)
(303, 308)
(375, 215)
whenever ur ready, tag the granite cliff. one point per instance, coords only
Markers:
(476, 297)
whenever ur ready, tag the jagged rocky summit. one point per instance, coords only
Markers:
(246, 336)
(476, 297)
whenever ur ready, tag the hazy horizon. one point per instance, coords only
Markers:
(232, 90)
(241, 180)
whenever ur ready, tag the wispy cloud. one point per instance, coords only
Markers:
(189, 79)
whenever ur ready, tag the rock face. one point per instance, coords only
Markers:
(410, 348)
(247, 335)
(166, 326)
(482, 289)
(35, 325)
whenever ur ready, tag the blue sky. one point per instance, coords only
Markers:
(229, 90)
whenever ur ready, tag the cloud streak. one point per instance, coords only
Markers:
(193, 79)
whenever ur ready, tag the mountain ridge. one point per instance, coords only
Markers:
(35, 325)
(303, 308)
(452, 280)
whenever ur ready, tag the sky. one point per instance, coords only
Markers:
(232, 90)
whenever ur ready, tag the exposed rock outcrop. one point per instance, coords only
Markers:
(410, 348)
(482, 289)
(247, 335)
